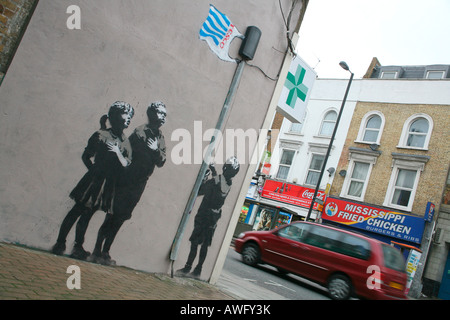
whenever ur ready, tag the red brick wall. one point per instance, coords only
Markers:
(14, 17)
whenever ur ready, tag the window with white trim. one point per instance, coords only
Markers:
(328, 123)
(371, 128)
(404, 180)
(296, 128)
(315, 166)
(403, 187)
(358, 175)
(416, 132)
(358, 179)
(388, 75)
(435, 74)
(285, 164)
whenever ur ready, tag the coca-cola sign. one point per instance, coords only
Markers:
(290, 193)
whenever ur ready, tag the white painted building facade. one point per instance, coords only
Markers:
(301, 147)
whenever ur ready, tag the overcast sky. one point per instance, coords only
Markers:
(397, 32)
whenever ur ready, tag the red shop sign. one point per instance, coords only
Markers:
(290, 193)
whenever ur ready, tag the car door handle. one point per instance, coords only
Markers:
(295, 245)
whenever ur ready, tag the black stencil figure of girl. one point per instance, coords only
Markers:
(111, 152)
(149, 151)
(214, 190)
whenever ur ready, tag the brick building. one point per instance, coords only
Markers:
(396, 157)
(391, 160)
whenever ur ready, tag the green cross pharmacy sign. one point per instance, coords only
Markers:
(296, 90)
(295, 85)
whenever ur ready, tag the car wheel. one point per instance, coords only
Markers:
(251, 254)
(339, 287)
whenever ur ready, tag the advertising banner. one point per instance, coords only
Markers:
(429, 212)
(393, 224)
(290, 193)
(411, 267)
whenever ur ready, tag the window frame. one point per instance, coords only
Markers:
(397, 166)
(427, 76)
(349, 179)
(363, 127)
(405, 132)
(285, 165)
(362, 156)
(329, 111)
(311, 159)
(395, 73)
(295, 131)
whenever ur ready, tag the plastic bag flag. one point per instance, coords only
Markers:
(218, 32)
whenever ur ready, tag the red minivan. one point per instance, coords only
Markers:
(347, 263)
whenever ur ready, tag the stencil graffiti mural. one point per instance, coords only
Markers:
(149, 151)
(115, 179)
(111, 152)
(214, 189)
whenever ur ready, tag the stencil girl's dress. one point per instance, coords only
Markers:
(111, 152)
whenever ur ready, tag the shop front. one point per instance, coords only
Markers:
(275, 203)
(401, 230)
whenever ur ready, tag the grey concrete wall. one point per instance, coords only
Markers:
(62, 81)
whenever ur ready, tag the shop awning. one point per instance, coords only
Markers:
(405, 246)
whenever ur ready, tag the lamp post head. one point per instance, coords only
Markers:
(344, 65)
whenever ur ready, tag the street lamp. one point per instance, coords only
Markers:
(344, 66)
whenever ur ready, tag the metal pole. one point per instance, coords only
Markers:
(194, 193)
(329, 148)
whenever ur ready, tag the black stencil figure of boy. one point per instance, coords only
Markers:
(149, 151)
(111, 152)
(214, 191)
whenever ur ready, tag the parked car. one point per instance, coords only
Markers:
(347, 263)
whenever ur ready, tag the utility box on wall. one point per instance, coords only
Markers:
(250, 43)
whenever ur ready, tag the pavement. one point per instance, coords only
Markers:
(31, 274)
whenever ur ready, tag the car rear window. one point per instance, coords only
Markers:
(393, 259)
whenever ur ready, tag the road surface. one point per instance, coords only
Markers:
(288, 286)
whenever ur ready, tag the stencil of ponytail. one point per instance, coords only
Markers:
(103, 121)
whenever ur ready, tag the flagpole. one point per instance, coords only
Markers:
(205, 163)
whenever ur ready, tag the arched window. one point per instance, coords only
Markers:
(371, 128)
(328, 123)
(416, 132)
